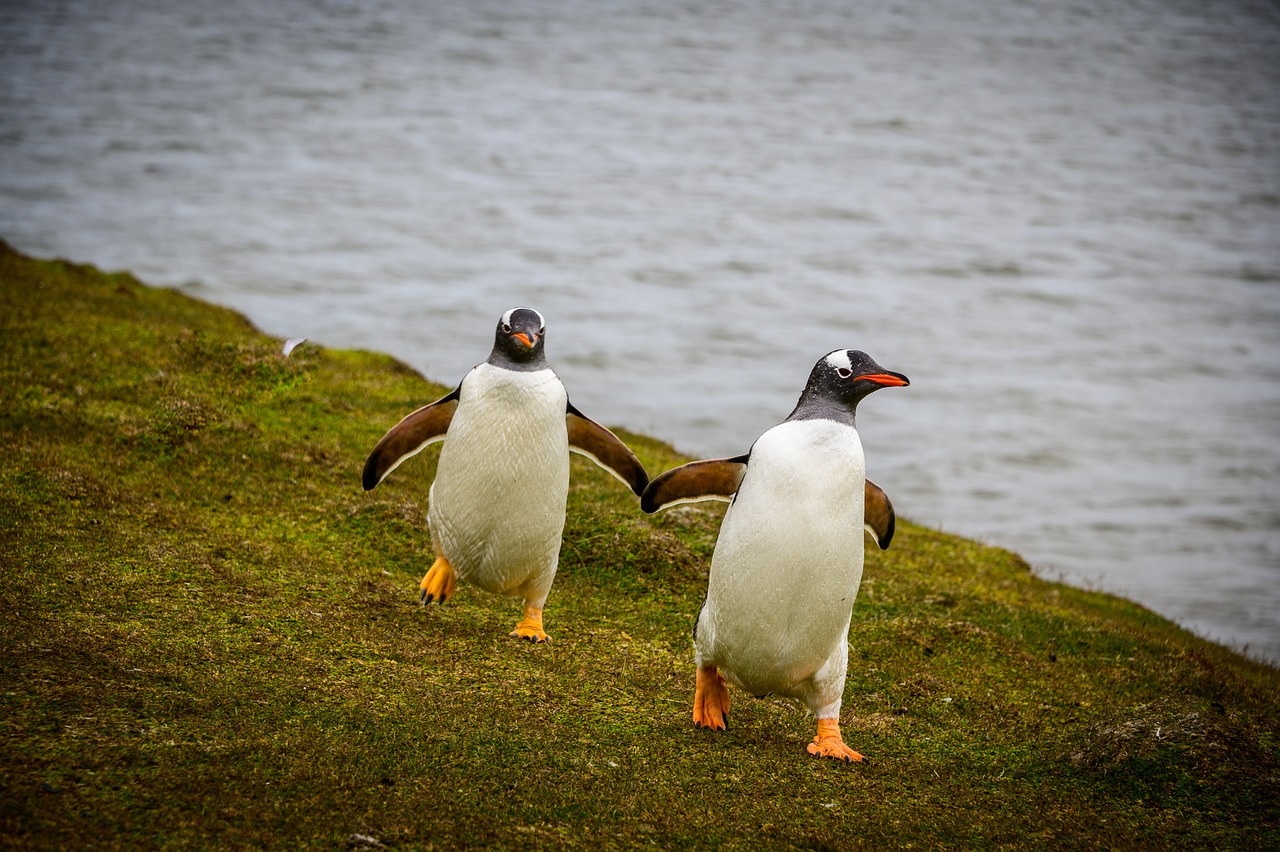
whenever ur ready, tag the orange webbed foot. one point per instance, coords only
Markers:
(530, 627)
(828, 743)
(439, 583)
(711, 700)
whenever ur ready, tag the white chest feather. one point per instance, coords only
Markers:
(788, 560)
(498, 500)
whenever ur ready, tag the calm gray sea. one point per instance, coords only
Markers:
(1060, 219)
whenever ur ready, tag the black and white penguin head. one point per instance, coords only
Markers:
(840, 380)
(518, 340)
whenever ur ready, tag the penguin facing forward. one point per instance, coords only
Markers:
(788, 559)
(497, 505)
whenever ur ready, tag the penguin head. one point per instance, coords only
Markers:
(518, 340)
(840, 380)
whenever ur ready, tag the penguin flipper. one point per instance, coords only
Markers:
(409, 437)
(713, 479)
(878, 516)
(589, 438)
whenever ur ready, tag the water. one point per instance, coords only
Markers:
(1060, 219)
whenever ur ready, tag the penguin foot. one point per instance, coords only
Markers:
(711, 700)
(828, 743)
(439, 583)
(530, 627)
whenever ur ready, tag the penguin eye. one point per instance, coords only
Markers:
(843, 373)
(506, 328)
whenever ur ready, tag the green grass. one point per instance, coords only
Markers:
(210, 637)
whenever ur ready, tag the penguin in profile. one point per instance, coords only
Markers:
(788, 559)
(497, 504)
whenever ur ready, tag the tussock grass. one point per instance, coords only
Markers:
(211, 637)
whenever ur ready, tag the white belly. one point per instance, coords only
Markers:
(788, 563)
(498, 500)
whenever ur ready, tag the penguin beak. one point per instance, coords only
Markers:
(888, 380)
(527, 339)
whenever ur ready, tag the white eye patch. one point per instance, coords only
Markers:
(839, 359)
(506, 318)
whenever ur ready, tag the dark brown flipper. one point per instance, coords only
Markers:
(597, 443)
(408, 438)
(713, 479)
(878, 517)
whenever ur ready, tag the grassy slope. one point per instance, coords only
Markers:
(210, 635)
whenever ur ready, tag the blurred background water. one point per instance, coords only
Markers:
(1060, 218)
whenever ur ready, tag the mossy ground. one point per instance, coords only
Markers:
(210, 636)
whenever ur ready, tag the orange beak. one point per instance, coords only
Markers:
(524, 338)
(886, 379)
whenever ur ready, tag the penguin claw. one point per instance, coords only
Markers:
(711, 700)
(530, 626)
(439, 582)
(828, 743)
(838, 751)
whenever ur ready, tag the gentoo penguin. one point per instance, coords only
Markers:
(498, 500)
(788, 560)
